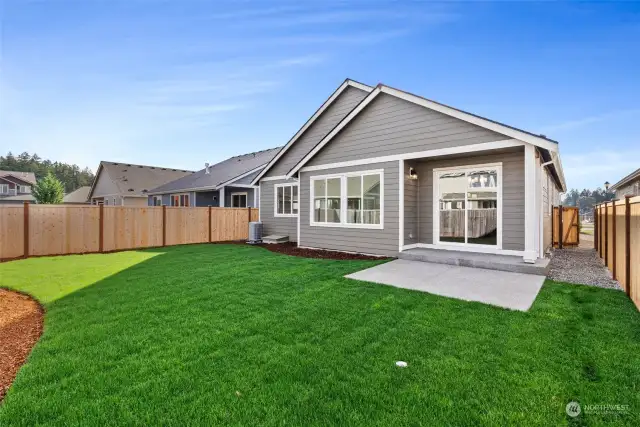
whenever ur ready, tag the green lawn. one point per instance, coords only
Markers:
(229, 334)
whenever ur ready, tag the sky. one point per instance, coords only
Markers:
(181, 83)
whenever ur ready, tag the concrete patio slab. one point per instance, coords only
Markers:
(515, 291)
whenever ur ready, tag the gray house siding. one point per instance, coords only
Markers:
(378, 242)
(104, 186)
(206, 198)
(284, 226)
(411, 200)
(341, 106)
(512, 193)
(390, 125)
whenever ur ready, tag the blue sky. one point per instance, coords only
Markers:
(184, 82)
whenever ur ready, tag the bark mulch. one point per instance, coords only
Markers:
(293, 250)
(21, 323)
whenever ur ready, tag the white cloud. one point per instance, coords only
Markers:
(585, 121)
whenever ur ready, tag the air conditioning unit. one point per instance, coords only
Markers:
(255, 233)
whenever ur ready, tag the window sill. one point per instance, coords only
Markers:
(285, 215)
(341, 225)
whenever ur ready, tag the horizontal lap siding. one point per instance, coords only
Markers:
(512, 194)
(390, 126)
(377, 242)
(270, 223)
(323, 125)
(411, 211)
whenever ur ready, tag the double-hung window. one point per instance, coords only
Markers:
(286, 200)
(24, 189)
(348, 200)
(4, 188)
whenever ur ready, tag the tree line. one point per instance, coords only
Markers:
(586, 198)
(71, 176)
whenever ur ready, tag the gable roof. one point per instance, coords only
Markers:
(136, 180)
(79, 195)
(220, 174)
(326, 104)
(540, 141)
(627, 179)
(29, 177)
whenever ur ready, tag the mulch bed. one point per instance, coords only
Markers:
(293, 250)
(21, 323)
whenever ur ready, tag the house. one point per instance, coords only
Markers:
(225, 184)
(15, 187)
(125, 184)
(79, 196)
(381, 171)
(627, 186)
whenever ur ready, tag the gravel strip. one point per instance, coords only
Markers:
(581, 266)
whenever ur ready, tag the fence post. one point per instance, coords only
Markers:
(560, 224)
(25, 211)
(164, 225)
(209, 224)
(627, 244)
(595, 228)
(101, 230)
(606, 234)
(613, 242)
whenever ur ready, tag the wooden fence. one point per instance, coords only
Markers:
(617, 241)
(36, 230)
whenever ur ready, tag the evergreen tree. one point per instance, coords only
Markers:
(71, 176)
(48, 190)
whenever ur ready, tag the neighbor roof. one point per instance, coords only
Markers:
(24, 176)
(137, 180)
(79, 195)
(223, 173)
(626, 180)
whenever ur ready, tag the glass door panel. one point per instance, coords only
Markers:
(452, 188)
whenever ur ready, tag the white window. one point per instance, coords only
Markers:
(157, 200)
(352, 200)
(24, 189)
(285, 200)
(180, 200)
(238, 200)
(468, 208)
(4, 188)
(106, 202)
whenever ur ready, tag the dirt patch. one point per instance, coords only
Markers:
(21, 323)
(293, 250)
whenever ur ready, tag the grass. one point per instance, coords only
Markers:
(229, 334)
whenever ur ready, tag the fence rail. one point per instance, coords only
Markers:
(617, 241)
(37, 230)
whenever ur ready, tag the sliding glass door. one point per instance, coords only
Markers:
(468, 205)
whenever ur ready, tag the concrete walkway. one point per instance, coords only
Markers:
(515, 291)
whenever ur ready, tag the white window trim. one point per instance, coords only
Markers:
(343, 200)
(245, 194)
(275, 200)
(24, 189)
(157, 198)
(436, 207)
(180, 194)
(3, 186)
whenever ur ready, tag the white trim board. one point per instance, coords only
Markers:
(485, 146)
(232, 180)
(467, 117)
(401, 205)
(311, 121)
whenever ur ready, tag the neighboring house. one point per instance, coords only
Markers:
(225, 184)
(124, 184)
(15, 187)
(380, 171)
(79, 196)
(627, 186)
